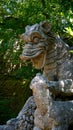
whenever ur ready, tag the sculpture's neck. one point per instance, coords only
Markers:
(54, 58)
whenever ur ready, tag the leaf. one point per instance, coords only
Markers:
(69, 30)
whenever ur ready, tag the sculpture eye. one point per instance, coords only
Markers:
(36, 39)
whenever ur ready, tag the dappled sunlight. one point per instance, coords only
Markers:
(24, 82)
(71, 20)
(6, 54)
(11, 53)
(16, 46)
(69, 30)
(1, 41)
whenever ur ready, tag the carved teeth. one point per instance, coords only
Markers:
(32, 55)
(32, 51)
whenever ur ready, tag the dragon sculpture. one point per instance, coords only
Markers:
(52, 90)
(49, 53)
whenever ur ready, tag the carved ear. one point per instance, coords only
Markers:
(45, 26)
(27, 28)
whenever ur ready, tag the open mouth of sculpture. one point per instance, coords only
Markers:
(35, 53)
(31, 51)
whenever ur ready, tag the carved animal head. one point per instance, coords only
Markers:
(36, 43)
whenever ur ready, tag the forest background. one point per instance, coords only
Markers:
(15, 75)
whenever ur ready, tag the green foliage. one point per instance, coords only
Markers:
(5, 111)
(14, 16)
(13, 94)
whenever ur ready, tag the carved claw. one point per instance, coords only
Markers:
(39, 80)
(52, 84)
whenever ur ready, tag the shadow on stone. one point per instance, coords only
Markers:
(70, 126)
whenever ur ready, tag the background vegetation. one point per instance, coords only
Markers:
(15, 75)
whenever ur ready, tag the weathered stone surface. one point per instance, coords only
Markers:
(36, 128)
(50, 53)
(6, 127)
(1, 127)
(50, 113)
(53, 89)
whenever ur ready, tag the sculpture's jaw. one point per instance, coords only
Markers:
(39, 61)
(35, 53)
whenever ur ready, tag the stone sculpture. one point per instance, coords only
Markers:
(51, 106)
(52, 90)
